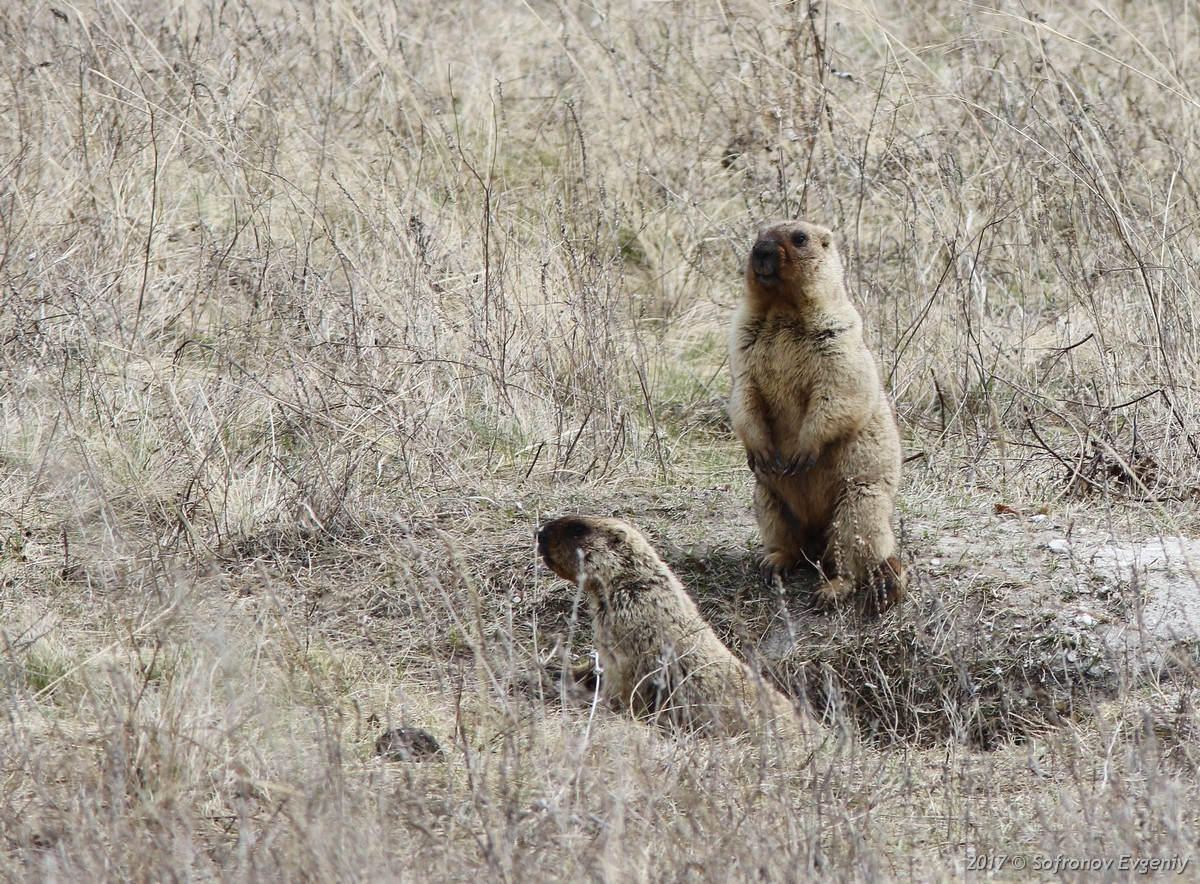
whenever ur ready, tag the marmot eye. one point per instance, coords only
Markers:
(799, 238)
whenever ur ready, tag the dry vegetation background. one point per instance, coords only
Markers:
(312, 312)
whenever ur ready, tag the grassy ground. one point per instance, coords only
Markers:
(312, 312)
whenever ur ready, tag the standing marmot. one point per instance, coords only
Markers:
(658, 658)
(819, 432)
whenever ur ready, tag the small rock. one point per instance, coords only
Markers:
(408, 744)
(1058, 545)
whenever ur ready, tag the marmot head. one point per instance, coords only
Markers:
(597, 552)
(790, 259)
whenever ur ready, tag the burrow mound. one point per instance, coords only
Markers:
(981, 667)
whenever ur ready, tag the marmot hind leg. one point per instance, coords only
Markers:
(786, 541)
(861, 551)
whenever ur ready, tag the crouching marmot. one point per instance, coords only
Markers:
(657, 657)
(819, 432)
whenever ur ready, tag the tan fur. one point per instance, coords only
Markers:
(820, 434)
(658, 658)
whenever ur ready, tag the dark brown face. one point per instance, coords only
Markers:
(559, 543)
(787, 253)
(592, 550)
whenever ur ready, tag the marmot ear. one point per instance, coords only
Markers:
(826, 241)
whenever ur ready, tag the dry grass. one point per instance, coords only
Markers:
(311, 312)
